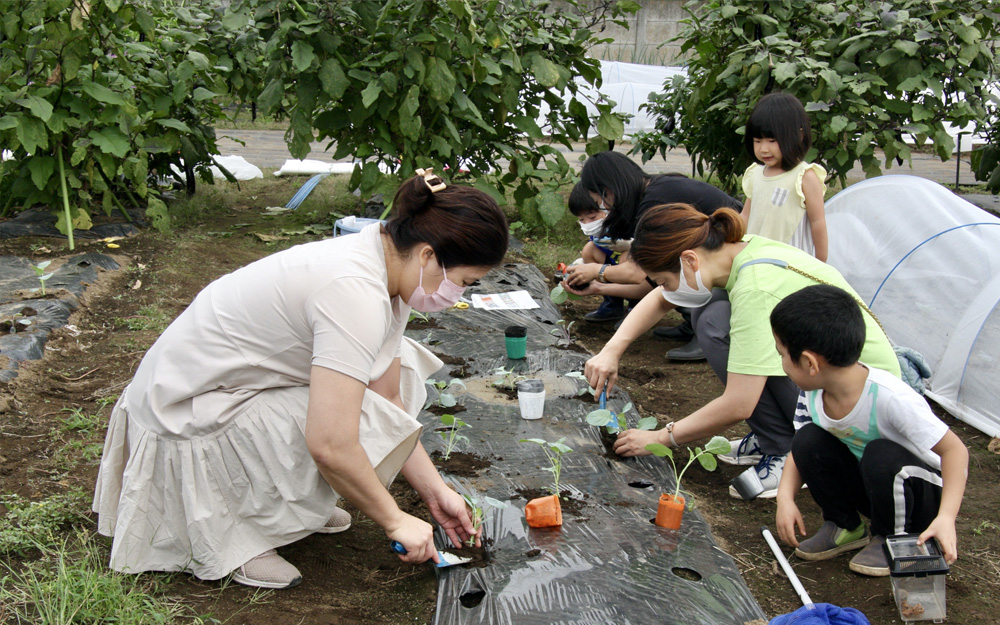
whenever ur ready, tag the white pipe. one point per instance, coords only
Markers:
(783, 561)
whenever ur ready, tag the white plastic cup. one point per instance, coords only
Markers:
(531, 398)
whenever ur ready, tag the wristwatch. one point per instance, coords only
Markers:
(600, 274)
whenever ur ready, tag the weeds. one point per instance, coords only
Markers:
(72, 584)
(79, 421)
(32, 525)
(147, 318)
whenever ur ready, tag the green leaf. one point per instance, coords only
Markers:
(31, 133)
(110, 140)
(42, 168)
(599, 418)
(550, 206)
(718, 445)
(708, 462)
(646, 423)
(200, 94)
(302, 55)
(837, 124)
(909, 48)
(158, 215)
(440, 82)
(610, 126)
(370, 94)
(270, 98)
(333, 79)
(102, 94)
(660, 450)
(39, 107)
(198, 59)
(544, 71)
(558, 295)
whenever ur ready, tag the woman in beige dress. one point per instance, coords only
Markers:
(288, 384)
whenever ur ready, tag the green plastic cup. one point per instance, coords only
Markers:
(516, 340)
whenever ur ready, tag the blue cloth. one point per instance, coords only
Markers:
(821, 614)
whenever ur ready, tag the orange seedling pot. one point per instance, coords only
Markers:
(543, 512)
(670, 511)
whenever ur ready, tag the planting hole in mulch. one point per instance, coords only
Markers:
(460, 463)
(688, 574)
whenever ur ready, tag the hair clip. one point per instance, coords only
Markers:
(428, 175)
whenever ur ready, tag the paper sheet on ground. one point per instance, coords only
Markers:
(513, 300)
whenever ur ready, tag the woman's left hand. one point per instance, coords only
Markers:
(449, 510)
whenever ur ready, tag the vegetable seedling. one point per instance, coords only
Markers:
(446, 396)
(451, 437)
(416, 314)
(578, 375)
(705, 457)
(506, 378)
(554, 452)
(615, 422)
(40, 272)
(479, 513)
(563, 333)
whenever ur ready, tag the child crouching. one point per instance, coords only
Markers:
(865, 444)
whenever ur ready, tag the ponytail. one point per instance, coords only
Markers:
(663, 232)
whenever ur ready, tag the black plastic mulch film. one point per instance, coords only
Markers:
(66, 285)
(607, 563)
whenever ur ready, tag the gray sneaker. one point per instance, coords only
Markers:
(871, 560)
(769, 472)
(831, 540)
(339, 521)
(745, 451)
(268, 570)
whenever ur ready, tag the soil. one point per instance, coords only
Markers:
(353, 577)
(461, 464)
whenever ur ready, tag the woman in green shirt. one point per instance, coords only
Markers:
(688, 254)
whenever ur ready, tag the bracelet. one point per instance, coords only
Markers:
(600, 274)
(670, 435)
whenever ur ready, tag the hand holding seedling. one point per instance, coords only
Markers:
(448, 509)
(615, 422)
(478, 514)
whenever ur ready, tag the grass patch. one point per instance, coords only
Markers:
(71, 583)
(30, 525)
(147, 318)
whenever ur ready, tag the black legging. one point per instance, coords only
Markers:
(890, 485)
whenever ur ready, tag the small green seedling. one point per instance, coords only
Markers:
(554, 452)
(563, 333)
(451, 437)
(40, 272)
(445, 392)
(705, 457)
(479, 513)
(416, 314)
(559, 295)
(615, 422)
(506, 378)
(578, 375)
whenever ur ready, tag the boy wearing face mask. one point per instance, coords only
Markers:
(599, 250)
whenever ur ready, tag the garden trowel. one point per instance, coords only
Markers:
(447, 559)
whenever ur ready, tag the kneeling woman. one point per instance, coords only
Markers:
(688, 254)
(287, 385)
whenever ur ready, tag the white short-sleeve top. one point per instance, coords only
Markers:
(264, 326)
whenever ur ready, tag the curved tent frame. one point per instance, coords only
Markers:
(928, 264)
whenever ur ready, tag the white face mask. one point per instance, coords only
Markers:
(685, 295)
(593, 229)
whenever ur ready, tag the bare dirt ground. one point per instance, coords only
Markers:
(352, 577)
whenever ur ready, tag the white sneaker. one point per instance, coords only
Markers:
(769, 472)
(268, 570)
(339, 521)
(745, 451)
